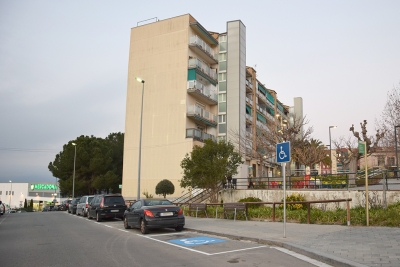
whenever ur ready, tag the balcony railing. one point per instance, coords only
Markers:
(249, 118)
(249, 135)
(203, 115)
(249, 101)
(203, 67)
(208, 91)
(196, 40)
(199, 135)
(261, 97)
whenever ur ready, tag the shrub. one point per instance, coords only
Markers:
(165, 187)
(251, 199)
(294, 198)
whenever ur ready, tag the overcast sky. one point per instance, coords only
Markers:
(63, 65)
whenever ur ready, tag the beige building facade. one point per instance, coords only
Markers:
(196, 87)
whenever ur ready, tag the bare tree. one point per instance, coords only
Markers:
(390, 118)
(371, 143)
(261, 144)
(345, 150)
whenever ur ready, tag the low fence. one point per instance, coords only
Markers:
(332, 181)
(307, 203)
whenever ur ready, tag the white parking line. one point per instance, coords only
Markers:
(302, 257)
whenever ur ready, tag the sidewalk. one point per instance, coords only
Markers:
(333, 244)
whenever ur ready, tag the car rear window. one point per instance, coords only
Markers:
(90, 199)
(114, 200)
(157, 202)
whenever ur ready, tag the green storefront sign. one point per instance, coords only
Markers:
(43, 187)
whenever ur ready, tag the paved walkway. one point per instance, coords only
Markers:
(333, 244)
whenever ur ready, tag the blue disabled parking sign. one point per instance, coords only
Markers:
(283, 152)
(196, 241)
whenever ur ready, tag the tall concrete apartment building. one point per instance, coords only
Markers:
(196, 87)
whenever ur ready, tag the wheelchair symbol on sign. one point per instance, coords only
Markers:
(196, 242)
(282, 154)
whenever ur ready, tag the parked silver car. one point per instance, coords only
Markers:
(81, 208)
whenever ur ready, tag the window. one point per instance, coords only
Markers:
(222, 128)
(222, 66)
(221, 138)
(6, 193)
(222, 77)
(222, 57)
(222, 86)
(222, 98)
(222, 38)
(222, 118)
(222, 107)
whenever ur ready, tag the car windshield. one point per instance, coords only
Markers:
(156, 202)
(114, 200)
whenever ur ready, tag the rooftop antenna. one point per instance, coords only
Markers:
(147, 20)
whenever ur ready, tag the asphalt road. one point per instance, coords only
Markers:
(60, 239)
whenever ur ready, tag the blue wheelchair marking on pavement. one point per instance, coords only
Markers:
(196, 241)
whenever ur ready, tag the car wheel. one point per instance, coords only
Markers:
(179, 228)
(84, 214)
(126, 226)
(143, 227)
(98, 219)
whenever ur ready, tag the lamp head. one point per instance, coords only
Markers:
(73, 144)
(332, 126)
(139, 80)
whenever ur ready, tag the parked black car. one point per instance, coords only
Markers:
(72, 205)
(106, 206)
(154, 213)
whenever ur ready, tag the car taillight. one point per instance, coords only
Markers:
(180, 212)
(87, 205)
(102, 203)
(148, 213)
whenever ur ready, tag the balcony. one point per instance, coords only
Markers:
(261, 125)
(201, 115)
(199, 135)
(249, 101)
(249, 119)
(203, 70)
(203, 49)
(203, 92)
(261, 97)
(262, 110)
(249, 87)
(249, 135)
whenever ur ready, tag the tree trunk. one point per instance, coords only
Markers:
(353, 170)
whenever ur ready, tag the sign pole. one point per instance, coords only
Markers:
(284, 198)
(283, 156)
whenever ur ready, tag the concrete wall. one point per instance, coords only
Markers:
(358, 197)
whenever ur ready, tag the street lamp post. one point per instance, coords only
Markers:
(73, 176)
(395, 142)
(330, 146)
(9, 203)
(140, 139)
